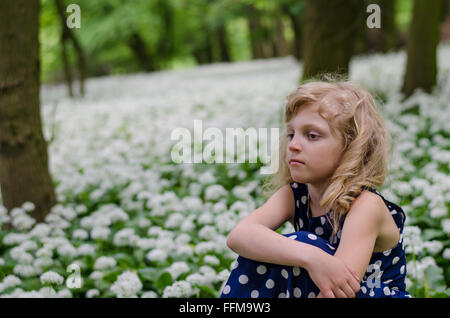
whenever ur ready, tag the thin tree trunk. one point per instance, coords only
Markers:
(330, 30)
(66, 64)
(24, 174)
(280, 44)
(139, 49)
(256, 32)
(223, 43)
(421, 66)
(68, 34)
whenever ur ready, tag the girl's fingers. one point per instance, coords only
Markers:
(339, 293)
(347, 289)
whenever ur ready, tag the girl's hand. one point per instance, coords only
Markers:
(332, 276)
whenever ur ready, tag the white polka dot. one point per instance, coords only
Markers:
(296, 271)
(332, 247)
(312, 236)
(234, 265)
(372, 293)
(254, 294)
(270, 283)
(287, 294)
(284, 273)
(402, 269)
(322, 220)
(364, 289)
(298, 203)
(243, 279)
(282, 295)
(311, 295)
(304, 198)
(300, 223)
(392, 292)
(292, 237)
(386, 253)
(261, 269)
(395, 260)
(386, 291)
(319, 230)
(226, 289)
(388, 281)
(297, 292)
(294, 185)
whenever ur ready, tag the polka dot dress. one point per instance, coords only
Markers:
(384, 277)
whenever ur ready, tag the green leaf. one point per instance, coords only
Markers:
(165, 279)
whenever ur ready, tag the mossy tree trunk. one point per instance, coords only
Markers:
(24, 174)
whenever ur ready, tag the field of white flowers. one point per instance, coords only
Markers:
(137, 225)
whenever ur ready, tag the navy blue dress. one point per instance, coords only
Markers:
(384, 277)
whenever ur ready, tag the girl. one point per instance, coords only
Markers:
(335, 149)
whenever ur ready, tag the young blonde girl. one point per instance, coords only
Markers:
(348, 239)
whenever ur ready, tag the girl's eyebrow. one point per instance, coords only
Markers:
(289, 126)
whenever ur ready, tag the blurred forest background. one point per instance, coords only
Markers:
(111, 187)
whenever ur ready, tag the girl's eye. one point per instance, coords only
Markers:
(313, 135)
(290, 136)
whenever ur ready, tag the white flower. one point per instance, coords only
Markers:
(125, 237)
(100, 233)
(174, 221)
(64, 293)
(96, 275)
(208, 233)
(204, 247)
(146, 243)
(86, 249)
(157, 255)
(178, 268)
(179, 289)
(11, 281)
(446, 226)
(211, 259)
(215, 192)
(104, 262)
(91, 293)
(149, 294)
(446, 253)
(51, 277)
(433, 247)
(28, 206)
(80, 234)
(126, 285)
(26, 270)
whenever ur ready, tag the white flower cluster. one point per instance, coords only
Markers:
(126, 285)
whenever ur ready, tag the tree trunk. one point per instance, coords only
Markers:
(223, 43)
(329, 34)
(68, 35)
(383, 39)
(24, 174)
(256, 32)
(281, 47)
(421, 66)
(139, 49)
(165, 45)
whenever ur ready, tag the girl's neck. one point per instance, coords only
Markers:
(315, 194)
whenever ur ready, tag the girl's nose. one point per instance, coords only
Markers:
(294, 145)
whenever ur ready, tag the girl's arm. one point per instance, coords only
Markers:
(361, 228)
(254, 237)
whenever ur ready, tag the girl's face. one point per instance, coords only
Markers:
(310, 141)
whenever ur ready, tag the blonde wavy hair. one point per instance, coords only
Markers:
(351, 112)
